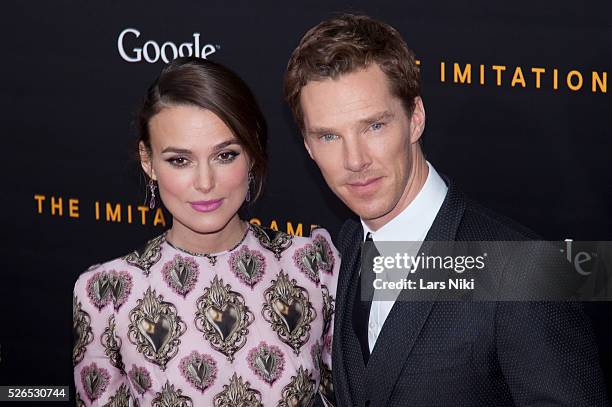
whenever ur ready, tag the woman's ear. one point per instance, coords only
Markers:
(145, 160)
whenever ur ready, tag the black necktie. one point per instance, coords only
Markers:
(362, 304)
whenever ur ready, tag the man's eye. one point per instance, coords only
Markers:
(227, 156)
(377, 126)
(178, 161)
(328, 137)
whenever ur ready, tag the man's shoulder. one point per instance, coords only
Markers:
(481, 223)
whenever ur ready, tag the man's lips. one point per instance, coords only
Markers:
(206, 206)
(364, 186)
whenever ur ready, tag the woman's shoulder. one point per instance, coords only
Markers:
(281, 243)
(121, 269)
(314, 256)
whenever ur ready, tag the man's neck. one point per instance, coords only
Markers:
(416, 180)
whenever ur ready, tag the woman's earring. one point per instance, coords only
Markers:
(250, 181)
(152, 187)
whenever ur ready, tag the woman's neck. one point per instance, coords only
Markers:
(224, 239)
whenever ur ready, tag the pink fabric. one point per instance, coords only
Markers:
(114, 289)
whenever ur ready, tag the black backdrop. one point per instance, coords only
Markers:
(539, 153)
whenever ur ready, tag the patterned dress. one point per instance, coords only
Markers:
(251, 326)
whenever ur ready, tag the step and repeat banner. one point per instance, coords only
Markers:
(517, 95)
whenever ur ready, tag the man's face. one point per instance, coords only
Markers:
(363, 140)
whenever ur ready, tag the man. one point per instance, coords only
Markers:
(354, 89)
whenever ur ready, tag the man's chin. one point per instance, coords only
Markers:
(368, 213)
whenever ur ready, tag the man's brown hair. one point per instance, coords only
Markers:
(346, 44)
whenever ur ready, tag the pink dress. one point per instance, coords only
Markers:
(251, 326)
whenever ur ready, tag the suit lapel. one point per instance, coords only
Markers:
(406, 319)
(348, 368)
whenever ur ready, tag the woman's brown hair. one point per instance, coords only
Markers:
(211, 86)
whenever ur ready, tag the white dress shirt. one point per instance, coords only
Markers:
(412, 224)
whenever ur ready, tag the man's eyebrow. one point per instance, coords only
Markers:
(218, 147)
(376, 117)
(319, 131)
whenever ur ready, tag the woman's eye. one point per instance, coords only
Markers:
(227, 156)
(178, 161)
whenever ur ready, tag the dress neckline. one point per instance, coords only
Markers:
(210, 256)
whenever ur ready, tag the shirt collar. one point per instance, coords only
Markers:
(413, 223)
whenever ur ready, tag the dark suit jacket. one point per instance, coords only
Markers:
(464, 353)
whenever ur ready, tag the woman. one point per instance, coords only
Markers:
(214, 311)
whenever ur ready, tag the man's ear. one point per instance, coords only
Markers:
(145, 161)
(417, 121)
(307, 147)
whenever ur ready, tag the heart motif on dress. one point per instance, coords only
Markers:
(78, 333)
(109, 286)
(223, 317)
(248, 265)
(94, 381)
(301, 389)
(305, 259)
(98, 287)
(302, 400)
(224, 320)
(267, 362)
(120, 285)
(141, 379)
(157, 332)
(181, 274)
(248, 268)
(198, 369)
(291, 314)
(324, 255)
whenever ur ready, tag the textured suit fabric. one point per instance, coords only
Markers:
(361, 309)
(464, 354)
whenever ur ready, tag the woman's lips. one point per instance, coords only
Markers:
(206, 206)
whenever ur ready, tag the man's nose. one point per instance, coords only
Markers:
(356, 155)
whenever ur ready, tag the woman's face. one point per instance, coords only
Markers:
(200, 167)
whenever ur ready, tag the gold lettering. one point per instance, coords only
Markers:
(499, 69)
(555, 79)
(97, 210)
(518, 77)
(56, 205)
(442, 72)
(255, 221)
(538, 72)
(570, 85)
(601, 83)
(143, 210)
(482, 76)
(113, 214)
(39, 199)
(159, 218)
(274, 225)
(129, 213)
(313, 226)
(73, 208)
(296, 232)
(462, 77)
